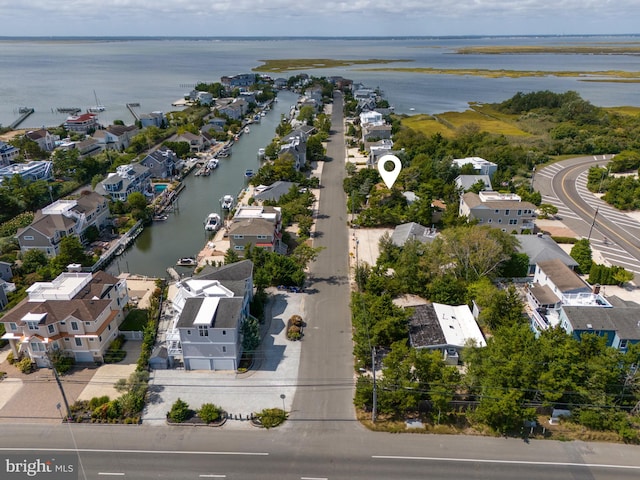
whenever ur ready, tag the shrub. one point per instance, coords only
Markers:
(209, 412)
(179, 412)
(95, 402)
(62, 362)
(271, 417)
(25, 365)
(296, 320)
(294, 333)
(11, 359)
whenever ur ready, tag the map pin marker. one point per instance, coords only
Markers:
(389, 177)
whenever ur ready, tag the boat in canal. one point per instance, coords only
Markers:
(248, 173)
(187, 262)
(212, 222)
(227, 202)
(213, 163)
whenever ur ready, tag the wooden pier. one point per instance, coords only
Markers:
(25, 113)
(130, 107)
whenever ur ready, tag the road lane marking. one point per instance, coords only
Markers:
(511, 462)
(136, 452)
(314, 478)
(111, 474)
(212, 475)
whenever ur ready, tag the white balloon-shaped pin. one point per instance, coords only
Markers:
(389, 177)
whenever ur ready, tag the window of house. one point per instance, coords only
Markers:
(51, 328)
(238, 237)
(78, 342)
(224, 349)
(513, 221)
(497, 211)
(92, 339)
(490, 220)
(239, 247)
(28, 237)
(188, 332)
(623, 343)
(262, 237)
(507, 211)
(37, 347)
(499, 220)
(203, 330)
(32, 325)
(519, 212)
(66, 339)
(109, 326)
(100, 338)
(224, 332)
(13, 326)
(87, 323)
(74, 325)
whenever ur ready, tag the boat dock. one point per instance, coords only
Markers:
(130, 107)
(71, 110)
(119, 247)
(24, 113)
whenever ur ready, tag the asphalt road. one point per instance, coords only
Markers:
(617, 236)
(324, 398)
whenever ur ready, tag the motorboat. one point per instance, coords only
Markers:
(213, 163)
(187, 262)
(212, 222)
(261, 154)
(247, 130)
(248, 173)
(160, 218)
(227, 202)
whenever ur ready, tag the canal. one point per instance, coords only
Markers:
(182, 234)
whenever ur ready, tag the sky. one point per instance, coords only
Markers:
(317, 18)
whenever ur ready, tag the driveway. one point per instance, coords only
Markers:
(275, 373)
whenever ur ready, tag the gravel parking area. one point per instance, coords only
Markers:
(275, 373)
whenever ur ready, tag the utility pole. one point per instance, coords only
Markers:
(375, 389)
(64, 396)
(592, 224)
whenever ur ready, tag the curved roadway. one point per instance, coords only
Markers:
(613, 233)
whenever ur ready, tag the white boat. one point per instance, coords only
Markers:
(248, 173)
(227, 202)
(212, 222)
(98, 107)
(247, 130)
(187, 262)
(213, 163)
(261, 152)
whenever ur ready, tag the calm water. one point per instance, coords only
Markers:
(47, 74)
(182, 235)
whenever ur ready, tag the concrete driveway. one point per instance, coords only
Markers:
(275, 373)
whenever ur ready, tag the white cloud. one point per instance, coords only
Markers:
(188, 17)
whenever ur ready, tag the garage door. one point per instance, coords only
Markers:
(84, 357)
(225, 364)
(199, 364)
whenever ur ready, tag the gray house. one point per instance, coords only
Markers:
(541, 248)
(211, 309)
(160, 163)
(412, 231)
(498, 210)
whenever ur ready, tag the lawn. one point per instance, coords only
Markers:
(135, 321)
(428, 125)
(486, 123)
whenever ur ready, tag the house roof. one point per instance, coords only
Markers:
(467, 181)
(58, 310)
(88, 201)
(275, 191)
(543, 294)
(231, 271)
(251, 227)
(225, 315)
(474, 201)
(47, 225)
(541, 248)
(623, 320)
(424, 328)
(562, 276)
(414, 231)
(100, 284)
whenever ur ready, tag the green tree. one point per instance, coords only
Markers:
(71, 251)
(581, 253)
(547, 210)
(306, 114)
(250, 335)
(32, 260)
(231, 256)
